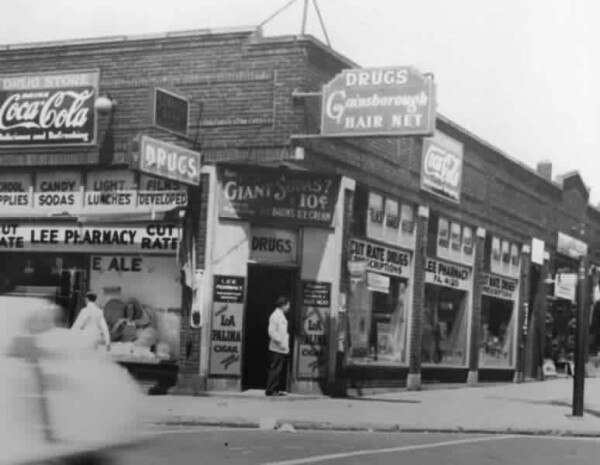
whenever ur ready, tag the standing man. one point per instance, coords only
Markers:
(279, 346)
(91, 321)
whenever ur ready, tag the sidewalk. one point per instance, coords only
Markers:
(529, 408)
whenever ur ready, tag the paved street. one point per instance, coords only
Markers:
(234, 446)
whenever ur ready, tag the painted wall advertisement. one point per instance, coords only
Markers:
(316, 302)
(381, 259)
(43, 109)
(447, 275)
(296, 197)
(395, 101)
(499, 287)
(227, 324)
(271, 245)
(150, 238)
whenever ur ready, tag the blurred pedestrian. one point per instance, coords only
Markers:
(91, 321)
(279, 346)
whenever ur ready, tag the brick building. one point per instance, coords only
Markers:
(392, 283)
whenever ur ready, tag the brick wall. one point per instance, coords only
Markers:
(241, 88)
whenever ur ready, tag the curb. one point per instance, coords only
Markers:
(376, 428)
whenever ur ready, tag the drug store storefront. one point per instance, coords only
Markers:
(448, 302)
(498, 331)
(65, 232)
(275, 232)
(379, 305)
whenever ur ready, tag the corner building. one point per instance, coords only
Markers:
(399, 272)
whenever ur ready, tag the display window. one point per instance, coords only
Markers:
(450, 240)
(497, 333)
(503, 257)
(140, 295)
(141, 298)
(497, 325)
(383, 218)
(59, 277)
(445, 325)
(378, 320)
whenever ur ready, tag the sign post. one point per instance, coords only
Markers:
(580, 339)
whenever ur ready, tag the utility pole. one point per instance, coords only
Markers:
(580, 338)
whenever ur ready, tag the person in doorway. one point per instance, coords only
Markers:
(279, 346)
(91, 321)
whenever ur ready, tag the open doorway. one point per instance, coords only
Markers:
(265, 285)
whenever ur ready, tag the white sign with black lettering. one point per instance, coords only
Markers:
(59, 191)
(378, 283)
(16, 191)
(447, 275)
(111, 190)
(499, 287)
(144, 238)
(381, 259)
(271, 245)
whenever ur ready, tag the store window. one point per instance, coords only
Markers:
(141, 297)
(496, 333)
(504, 256)
(59, 277)
(450, 240)
(498, 321)
(383, 218)
(378, 318)
(445, 323)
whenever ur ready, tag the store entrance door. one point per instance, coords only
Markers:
(265, 285)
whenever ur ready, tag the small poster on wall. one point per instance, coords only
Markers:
(505, 258)
(316, 302)
(467, 241)
(455, 238)
(443, 237)
(227, 324)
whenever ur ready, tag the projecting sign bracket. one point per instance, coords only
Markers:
(298, 94)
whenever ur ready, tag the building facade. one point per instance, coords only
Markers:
(407, 259)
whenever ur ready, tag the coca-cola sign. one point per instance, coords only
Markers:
(441, 170)
(48, 109)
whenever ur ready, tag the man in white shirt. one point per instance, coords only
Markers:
(91, 321)
(279, 346)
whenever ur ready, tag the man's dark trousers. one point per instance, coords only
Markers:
(276, 368)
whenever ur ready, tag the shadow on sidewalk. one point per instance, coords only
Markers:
(553, 403)
(382, 399)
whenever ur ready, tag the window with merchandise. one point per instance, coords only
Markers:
(141, 299)
(448, 292)
(499, 303)
(380, 266)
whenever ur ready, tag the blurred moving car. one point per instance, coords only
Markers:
(61, 400)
